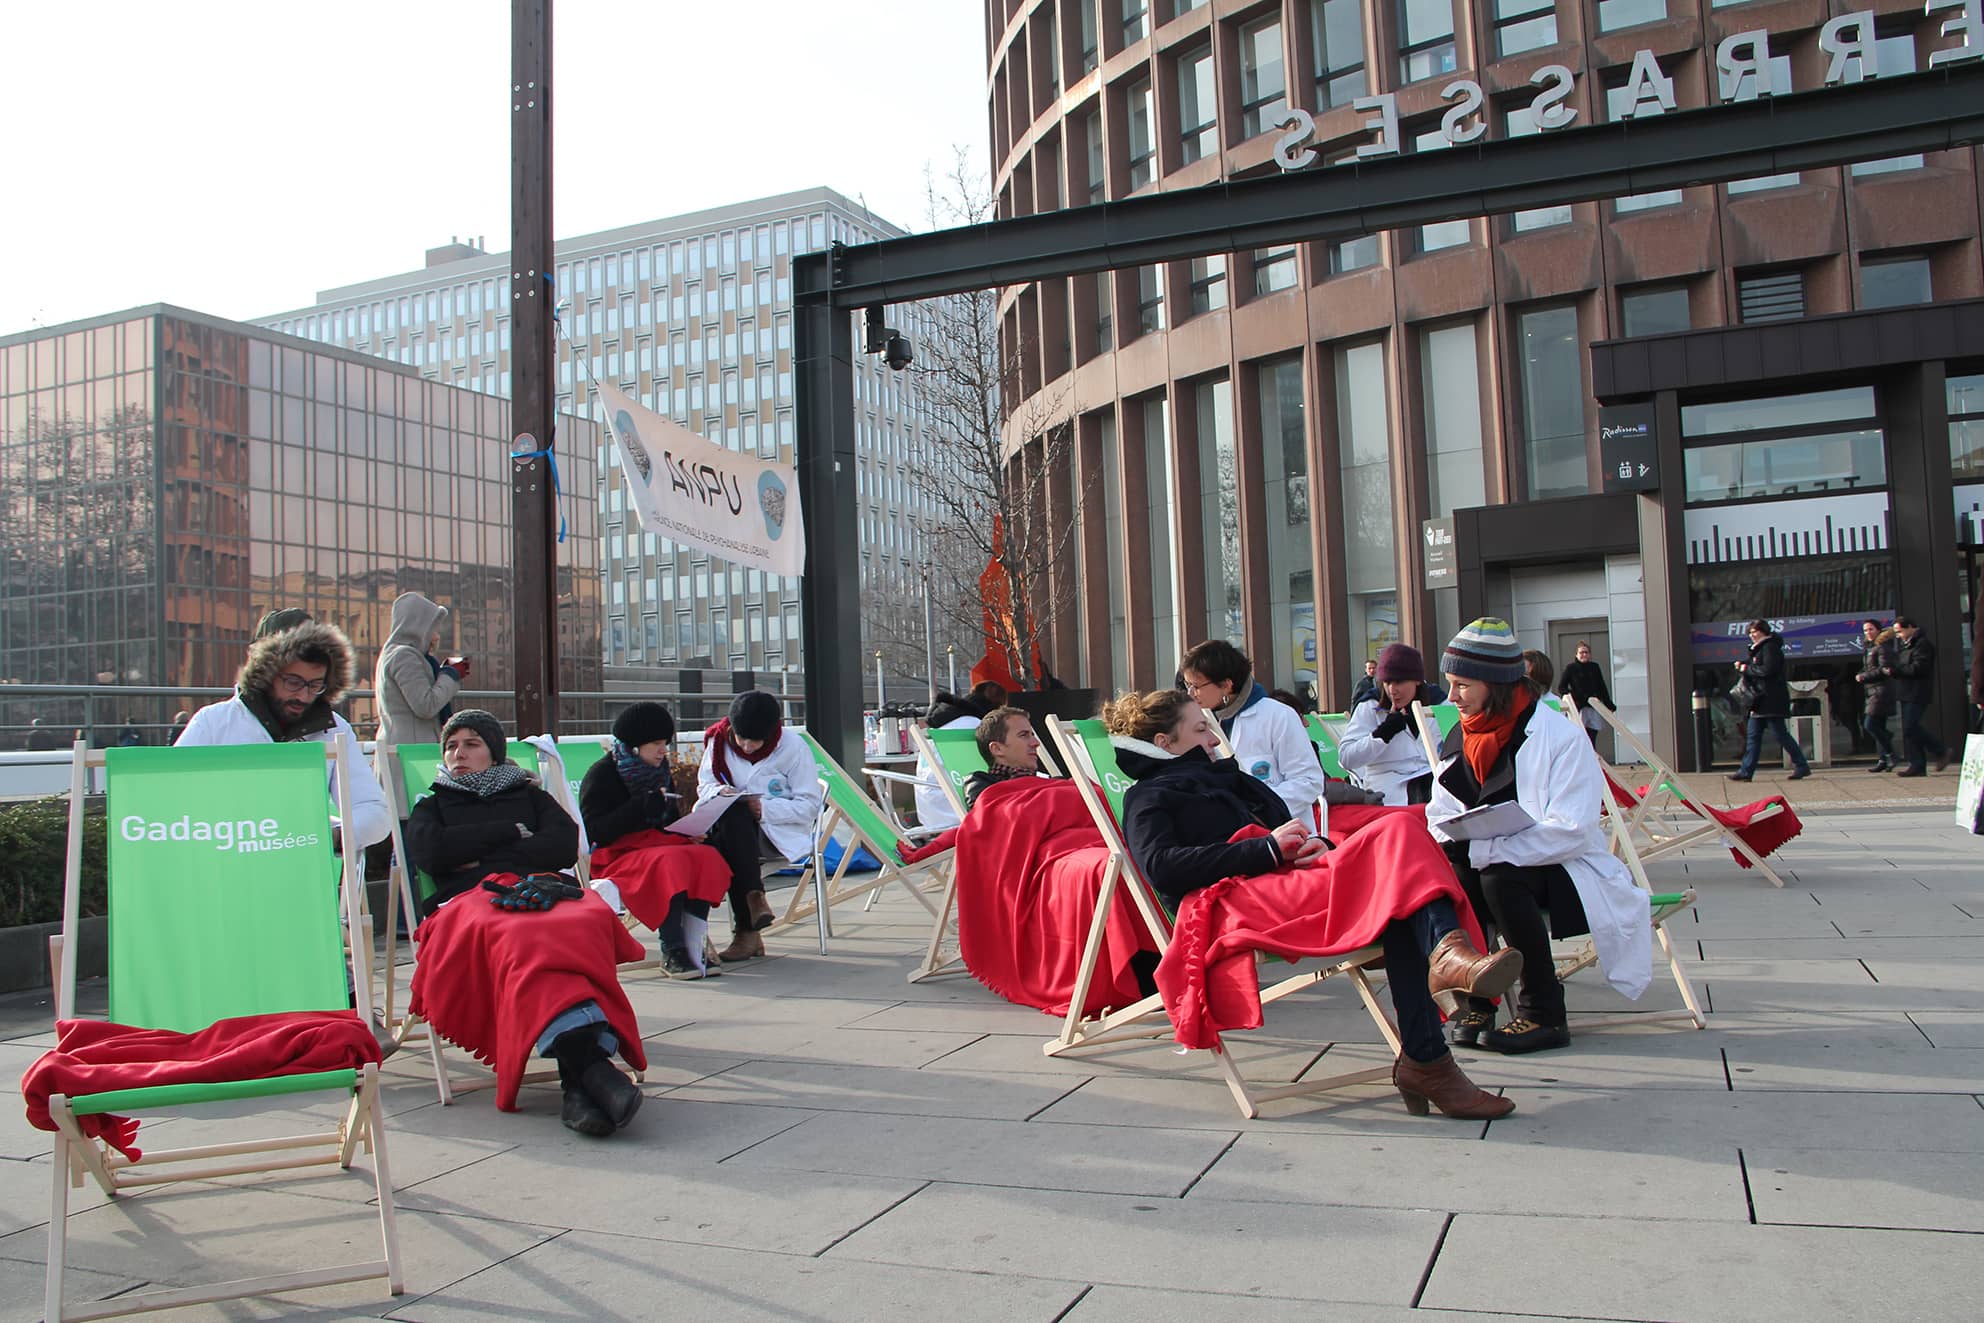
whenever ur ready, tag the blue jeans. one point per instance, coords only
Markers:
(1408, 942)
(1916, 741)
(1753, 744)
(1877, 729)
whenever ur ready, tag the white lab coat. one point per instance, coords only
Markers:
(788, 783)
(1557, 784)
(1270, 745)
(231, 722)
(1383, 766)
(933, 807)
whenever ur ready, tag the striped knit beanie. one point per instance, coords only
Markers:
(1486, 649)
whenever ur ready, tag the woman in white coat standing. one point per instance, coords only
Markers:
(1381, 745)
(1266, 734)
(749, 751)
(1508, 747)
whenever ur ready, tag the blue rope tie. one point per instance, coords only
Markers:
(556, 490)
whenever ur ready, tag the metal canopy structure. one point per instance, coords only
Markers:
(1933, 111)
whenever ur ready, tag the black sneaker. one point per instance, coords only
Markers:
(1882, 766)
(675, 963)
(1519, 1036)
(1465, 1029)
(1800, 774)
(1738, 776)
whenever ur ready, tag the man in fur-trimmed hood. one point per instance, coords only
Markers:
(286, 691)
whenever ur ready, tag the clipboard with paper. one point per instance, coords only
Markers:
(1504, 819)
(698, 820)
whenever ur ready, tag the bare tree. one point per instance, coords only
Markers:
(990, 521)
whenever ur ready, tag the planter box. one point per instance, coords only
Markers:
(24, 954)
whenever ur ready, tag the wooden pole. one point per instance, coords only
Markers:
(534, 364)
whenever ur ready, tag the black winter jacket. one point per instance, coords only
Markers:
(1876, 675)
(949, 707)
(458, 839)
(1915, 669)
(1178, 817)
(610, 809)
(1764, 680)
(1583, 681)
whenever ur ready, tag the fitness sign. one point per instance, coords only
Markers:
(1742, 66)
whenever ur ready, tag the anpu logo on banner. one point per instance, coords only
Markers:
(245, 835)
(732, 505)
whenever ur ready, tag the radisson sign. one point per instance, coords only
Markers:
(1742, 65)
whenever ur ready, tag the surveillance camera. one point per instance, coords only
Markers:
(898, 354)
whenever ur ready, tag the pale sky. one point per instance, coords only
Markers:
(236, 157)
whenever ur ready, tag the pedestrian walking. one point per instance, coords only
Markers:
(1581, 682)
(1766, 697)
(1914, 690)
(1876, 679)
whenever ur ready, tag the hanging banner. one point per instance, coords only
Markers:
(739, 507)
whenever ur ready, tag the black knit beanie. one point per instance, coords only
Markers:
(643, 723)
(755, 715)
(483, 724)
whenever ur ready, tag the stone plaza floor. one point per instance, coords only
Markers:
(822, 1140)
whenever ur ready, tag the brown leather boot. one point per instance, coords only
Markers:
(762, 914)
(1442, 1084)
(743, 945)
(1455, 966)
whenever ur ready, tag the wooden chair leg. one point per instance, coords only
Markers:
(58, 1229)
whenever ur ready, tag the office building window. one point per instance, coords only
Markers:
(1285, 499)
(1653, 310)
(1450, 389)
(1113, 571)
(1770, 296)
(1219, 510)
(1370, 577)
(1161, 491)
(1198, 106)
(1105, 312)
(1520, 122)
(1274, 269)
(1098, 168)
(1263, 88)
(1890, 282)
(1441, 234)
(1134, 18)
(1353, 254)
(1619, 105)
(1966, 410)
(1425, 39)
(1150, 299)
(1613, 15)
(1524, 25)
(1208, 283)
(1085, 33)
(1336, 32)
(1893, 56)
(1142, 123)
(1553, 402)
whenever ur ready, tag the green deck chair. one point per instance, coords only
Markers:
(845, 805)
(563, 772)
(955, 755)
(1091, 758)
(406, 774)
(1326, 733)
(237, 918)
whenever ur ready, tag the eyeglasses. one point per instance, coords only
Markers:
(1193, 689)
(296, 684)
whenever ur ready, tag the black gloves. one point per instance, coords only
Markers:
(1392, 725)
(539, 891)
(656, 809)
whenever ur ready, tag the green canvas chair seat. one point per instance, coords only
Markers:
(1091, 758)
(1323, 728)
(955, 756)
(219, 907)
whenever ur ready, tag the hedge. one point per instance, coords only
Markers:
(34, 844)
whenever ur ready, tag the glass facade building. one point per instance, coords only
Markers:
(692, 316)
(166, 478)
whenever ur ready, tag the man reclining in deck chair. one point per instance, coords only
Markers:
(1243, 875)
(497, 979)
(1011, 749)
(1508, 748)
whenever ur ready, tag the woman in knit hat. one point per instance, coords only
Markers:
(1551, 877)
(666, 880)
(1381, 745)
(749, 752)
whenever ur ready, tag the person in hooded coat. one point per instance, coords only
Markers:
(413, 689)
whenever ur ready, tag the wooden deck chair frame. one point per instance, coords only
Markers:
(1661, 905)
(77, 1155)
(843, 804)
(943, 924)
(410, 1030)
(1670, 792)
(1147, 1018)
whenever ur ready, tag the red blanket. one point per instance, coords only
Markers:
(96, 1056)
(1346, 820)
(489, 980)
(1334, 905)
(1762, 834)
(652, 867)
(1030, 864)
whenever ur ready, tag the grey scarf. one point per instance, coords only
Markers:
(485, 783)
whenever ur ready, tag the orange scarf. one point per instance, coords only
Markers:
(1484, 736)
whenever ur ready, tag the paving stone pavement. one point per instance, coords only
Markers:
(822, 1140)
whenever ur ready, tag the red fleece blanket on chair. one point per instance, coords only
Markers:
(1334, 905)
(652, 867)
(1030, 865)
(96, 1056)
(1762, 834)
(489, 980)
